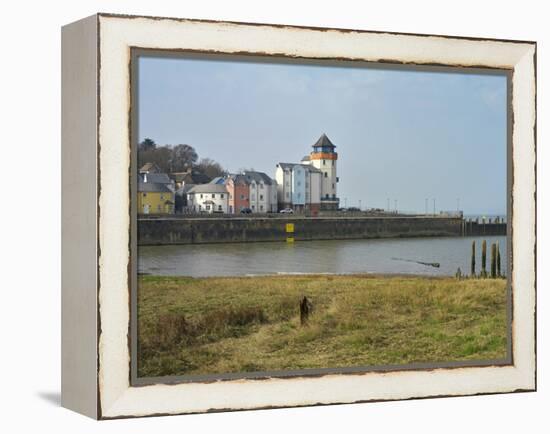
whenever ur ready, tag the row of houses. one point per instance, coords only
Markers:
(308, 186)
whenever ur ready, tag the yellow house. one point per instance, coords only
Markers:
(155, 198)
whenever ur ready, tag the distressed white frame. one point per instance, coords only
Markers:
(116, 397)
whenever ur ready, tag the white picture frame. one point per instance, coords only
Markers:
(96, 245)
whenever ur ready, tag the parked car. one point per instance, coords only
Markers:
(287, 211)
(246, 211)
(353, 209)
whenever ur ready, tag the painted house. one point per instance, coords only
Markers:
(239, 194)
(249, 190)
(298, 187)
(311, 185)
(262, 192)
(155, 198)
(208, 198)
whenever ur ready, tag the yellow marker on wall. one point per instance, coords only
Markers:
(290, 230)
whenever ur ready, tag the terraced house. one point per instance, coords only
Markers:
(155, 198)
(208, 198)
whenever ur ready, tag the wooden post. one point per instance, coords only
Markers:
(306, 307)
(484, 259)
(493, 260)
(473, 261)
(498, 261)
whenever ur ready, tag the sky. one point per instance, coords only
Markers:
(402, 135)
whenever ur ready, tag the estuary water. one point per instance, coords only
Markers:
(388, 256)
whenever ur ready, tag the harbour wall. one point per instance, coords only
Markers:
(164, 231)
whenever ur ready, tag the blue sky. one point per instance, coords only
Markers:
(400, 134)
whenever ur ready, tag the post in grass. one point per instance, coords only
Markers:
(484, 258)
(499, 274)
(473, 260)
(493, 261)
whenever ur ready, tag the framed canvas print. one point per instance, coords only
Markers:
(262, 216)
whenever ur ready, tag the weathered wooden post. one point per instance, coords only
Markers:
(473, 261)
(498, 261)
(493, 260)
(306, 308)
(484, 259)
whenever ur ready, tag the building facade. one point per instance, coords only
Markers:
(155, 198)
(311, 185)
(208, 198)
(262, 192)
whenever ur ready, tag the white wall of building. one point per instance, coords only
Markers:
(208, 202)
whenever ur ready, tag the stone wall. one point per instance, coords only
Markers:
(229, 230)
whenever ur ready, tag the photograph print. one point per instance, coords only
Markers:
(297, 217)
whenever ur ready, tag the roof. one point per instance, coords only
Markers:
(238, 178)
(153, 187)
(159, 178)
(208, 188)
(306, 166)
(218, 180)
(257, 177)
(185, 189)
(305, 158)
(149, 167)
(324, 141)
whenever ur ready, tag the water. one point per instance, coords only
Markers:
(336, 256)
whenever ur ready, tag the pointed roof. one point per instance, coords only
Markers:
(324, 141)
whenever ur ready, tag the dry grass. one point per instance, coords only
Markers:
(240, 324)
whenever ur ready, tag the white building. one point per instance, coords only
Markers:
(299, 187)
(208, 198)
(262, 192)
(312, 184)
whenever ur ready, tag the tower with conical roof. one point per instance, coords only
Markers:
(324, 157)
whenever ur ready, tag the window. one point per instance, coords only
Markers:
(261, 197)
(326, 196)
(299, 183)
(213, 196)
(299, 195)
(261, 186)
(253, 197)
(333, 185)
(221, 195)
(261, 207)
(252, 186)
(326, 175)
(324, 163)
(252, 207)
(201, 195)
(334, 196)
(242, 196)
(207, 207)
(219, 208)
(307, 184)
(144, 194)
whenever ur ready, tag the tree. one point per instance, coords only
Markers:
(210, 168)
(183, 157)
(147, 145)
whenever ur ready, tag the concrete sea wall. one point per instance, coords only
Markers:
(160, 231)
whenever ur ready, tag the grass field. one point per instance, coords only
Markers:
(243, 324)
